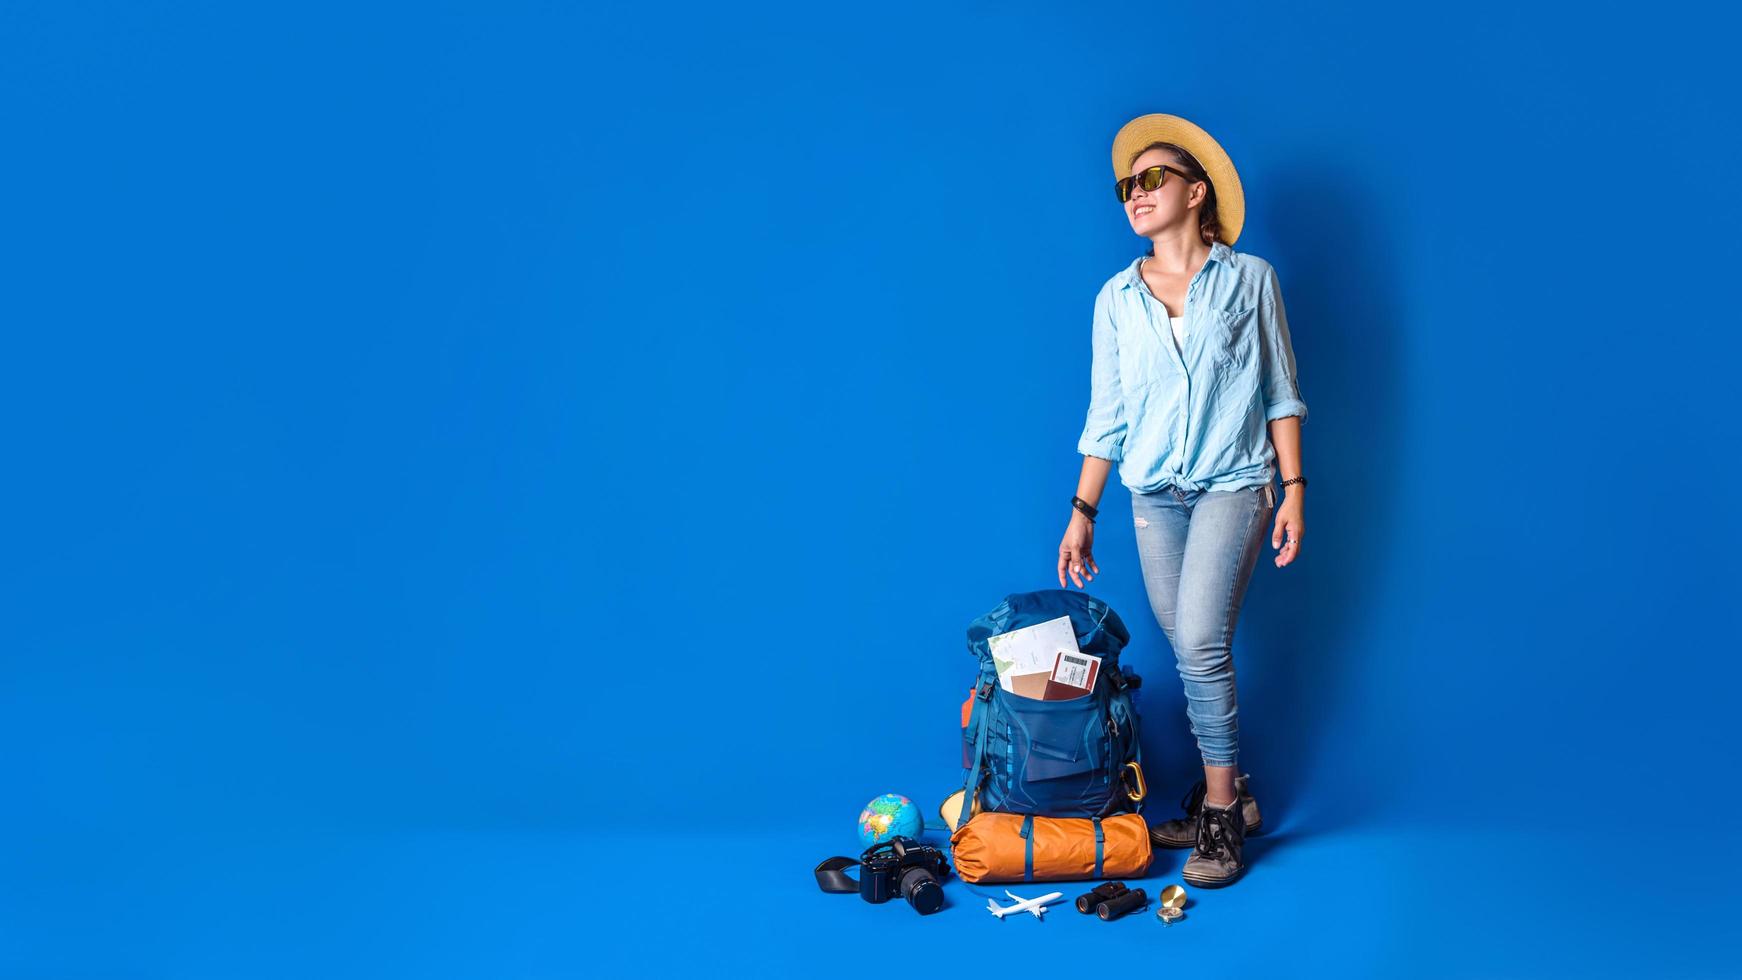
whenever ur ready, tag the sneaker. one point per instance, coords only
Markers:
(1219, 857)
(1184, 832)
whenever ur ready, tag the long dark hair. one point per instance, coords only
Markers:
(1209, 224)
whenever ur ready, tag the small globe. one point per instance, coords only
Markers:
(888, 816)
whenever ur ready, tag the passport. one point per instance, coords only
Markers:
(1073, 675)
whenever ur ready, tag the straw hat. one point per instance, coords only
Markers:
(1159, 127)
(951, 808)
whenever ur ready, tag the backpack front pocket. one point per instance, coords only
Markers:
(1057, 755)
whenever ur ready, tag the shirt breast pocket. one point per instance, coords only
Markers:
(1233, 336)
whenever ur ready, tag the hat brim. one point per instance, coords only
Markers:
(1160, 127)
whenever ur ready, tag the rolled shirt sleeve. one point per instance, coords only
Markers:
(1281, 385)
(1104, 429)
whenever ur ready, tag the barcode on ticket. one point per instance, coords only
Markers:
(1073, 669)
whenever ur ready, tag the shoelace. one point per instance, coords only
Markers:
(1215, 829)
(1194, 798)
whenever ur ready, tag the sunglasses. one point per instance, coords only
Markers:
(1147, 179)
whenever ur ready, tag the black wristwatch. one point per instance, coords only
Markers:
(1083, 505)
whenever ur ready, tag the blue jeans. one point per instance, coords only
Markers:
(1198, 549)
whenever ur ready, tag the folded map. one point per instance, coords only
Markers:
(1031, 650)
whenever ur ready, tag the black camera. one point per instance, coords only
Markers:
(903, 865)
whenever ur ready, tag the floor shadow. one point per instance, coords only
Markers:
(1297, 645)
(1256, 847)
(1295, 648)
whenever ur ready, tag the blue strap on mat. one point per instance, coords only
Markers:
(1028, 850)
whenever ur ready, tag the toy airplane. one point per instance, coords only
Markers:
(1033, 906)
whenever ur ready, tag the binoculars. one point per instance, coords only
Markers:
(1111, 899)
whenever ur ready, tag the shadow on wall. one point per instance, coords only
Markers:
(1297, 655)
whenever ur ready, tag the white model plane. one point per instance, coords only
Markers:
(1033, 906)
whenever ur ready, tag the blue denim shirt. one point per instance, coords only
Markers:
(1199, 420)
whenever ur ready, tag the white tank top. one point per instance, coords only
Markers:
(1178, 323)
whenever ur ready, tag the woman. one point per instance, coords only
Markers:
(1194, 395)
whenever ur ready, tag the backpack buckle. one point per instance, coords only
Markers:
(985, 691)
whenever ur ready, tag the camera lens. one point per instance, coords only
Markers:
(922, 891)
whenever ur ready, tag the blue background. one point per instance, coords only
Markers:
(494, 489)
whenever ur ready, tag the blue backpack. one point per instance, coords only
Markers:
(1075, 758)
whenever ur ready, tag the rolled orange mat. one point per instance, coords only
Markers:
(991, 847)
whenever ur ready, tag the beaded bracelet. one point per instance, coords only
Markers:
(1299, 479)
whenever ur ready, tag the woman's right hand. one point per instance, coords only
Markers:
(1075, 552)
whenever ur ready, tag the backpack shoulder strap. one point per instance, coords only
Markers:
(971, 782)
(1130, 770)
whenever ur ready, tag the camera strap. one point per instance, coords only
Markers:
(830, 877)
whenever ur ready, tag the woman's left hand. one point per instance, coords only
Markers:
(1290, 525)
